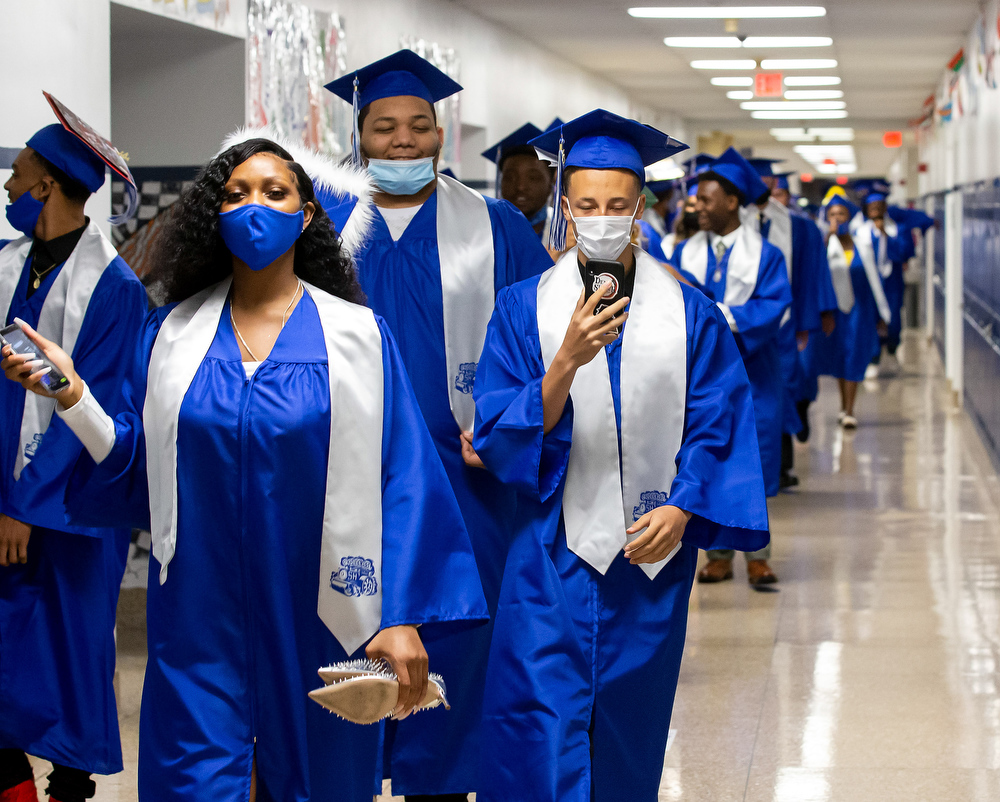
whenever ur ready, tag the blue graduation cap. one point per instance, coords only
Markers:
(697, 164)
(739, 174)
(836, 196)
(782, 180)
(659, 188)
(601, 140)
(765, 167)
(83, 154)
(402, 73)
(870, 190)
(518, 140)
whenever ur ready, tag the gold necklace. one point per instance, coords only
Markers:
(39, 276)
(283, 316)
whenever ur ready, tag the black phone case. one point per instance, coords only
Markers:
(605, 272)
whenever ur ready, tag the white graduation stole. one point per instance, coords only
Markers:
(840, 272)
(600, 501)
(870, 261)
(465, 249)
(350, 592)
(60, 319)
(865, 233)
(743, 266)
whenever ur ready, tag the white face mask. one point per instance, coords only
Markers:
(604, 237)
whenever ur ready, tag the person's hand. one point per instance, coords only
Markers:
(882, 328)
(589, 333)
(469, 453)
(13, 541)
(879, 223)
(802, 340)
(23, 368)
(664, 529)
(402, 648)
(828, 322)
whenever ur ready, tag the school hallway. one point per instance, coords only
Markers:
(871, 672)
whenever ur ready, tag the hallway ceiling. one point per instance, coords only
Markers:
(891, 55)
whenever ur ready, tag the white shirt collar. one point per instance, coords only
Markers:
(728, 240)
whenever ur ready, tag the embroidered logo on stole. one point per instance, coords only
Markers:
(466, 378)
(32, 447)
(648, 501)
(356, 577)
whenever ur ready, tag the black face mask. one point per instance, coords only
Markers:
(691, 221)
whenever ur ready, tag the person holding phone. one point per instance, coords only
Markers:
(746, 277)
(271, 442)
(437, 254)
(628, 452)
(59, 580)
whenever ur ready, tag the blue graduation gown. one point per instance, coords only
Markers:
(823, 299)
(57, 612)
(234, 636)
(437, 751)
(812, 294)
(847, 353)
(583, 667)
(652, 242)
(758, 337)
(899, 250)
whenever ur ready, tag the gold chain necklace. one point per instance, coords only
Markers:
(39, 276)
(283, 316)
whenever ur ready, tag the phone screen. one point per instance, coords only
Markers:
(54, 381)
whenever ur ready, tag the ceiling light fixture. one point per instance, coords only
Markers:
(798, 115)
(792, 105)
(727, 12)
(740, 94)
(812, 80)
(747, 42)
(813, 94)
(798, 64)
(725, 64)
(813, 134)
(744, 80)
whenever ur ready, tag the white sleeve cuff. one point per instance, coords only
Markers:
(729, 317)
(89, 422)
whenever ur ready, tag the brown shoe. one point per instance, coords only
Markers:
(716, 571)
(760, 573)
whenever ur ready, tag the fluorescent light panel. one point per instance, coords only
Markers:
(798, 64)
(792, 105)
(812, 80)
(737, 80)
(813, 94)
(724, 64)
(727, 12)
(798, 115)
(749, 42)
(812, 134)
(740, 94)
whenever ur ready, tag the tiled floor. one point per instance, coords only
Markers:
(871, 675)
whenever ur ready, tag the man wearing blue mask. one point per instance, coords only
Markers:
(59, 582)
(746, 276)
(629, 436)
(437, 254)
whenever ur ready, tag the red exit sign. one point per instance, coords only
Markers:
(768, 84)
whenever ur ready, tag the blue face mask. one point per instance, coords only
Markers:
(401, 176)
(258, 234)
(23, 213)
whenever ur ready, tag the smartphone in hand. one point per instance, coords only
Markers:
(53, 381)
(608, 278)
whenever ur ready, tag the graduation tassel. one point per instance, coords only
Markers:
(356, 133)
(557, 231)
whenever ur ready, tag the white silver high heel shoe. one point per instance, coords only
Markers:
(367, 691)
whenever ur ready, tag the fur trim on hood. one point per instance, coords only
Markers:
(340, 180)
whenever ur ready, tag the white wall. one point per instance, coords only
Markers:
(508, 80)
(968, 148)
(176, 89)
(60, 46)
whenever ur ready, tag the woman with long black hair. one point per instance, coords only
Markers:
(273, 445)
